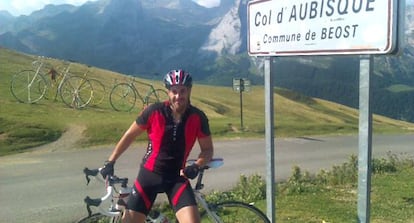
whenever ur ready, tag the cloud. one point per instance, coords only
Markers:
(25, 7)
(208, 3)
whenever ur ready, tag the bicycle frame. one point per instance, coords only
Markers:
(37, 71)
(214, 163)
(65, 73)
(148, 93)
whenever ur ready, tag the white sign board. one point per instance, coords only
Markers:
(321, 27)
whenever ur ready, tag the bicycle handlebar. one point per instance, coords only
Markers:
(111, 181)
(214, 163)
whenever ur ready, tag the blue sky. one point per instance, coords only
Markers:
(25, 7)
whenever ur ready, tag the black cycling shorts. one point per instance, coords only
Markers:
(148, 184)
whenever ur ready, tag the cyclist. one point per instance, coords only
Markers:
(172, 127)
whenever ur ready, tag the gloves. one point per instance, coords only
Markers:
(107, 169)
(191, 172)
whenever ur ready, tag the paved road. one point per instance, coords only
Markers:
(49, 186)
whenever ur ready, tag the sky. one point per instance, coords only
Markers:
(25, 7)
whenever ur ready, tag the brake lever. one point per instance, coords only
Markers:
(88, 173)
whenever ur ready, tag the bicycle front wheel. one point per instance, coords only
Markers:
(76, 92)
(122, 97)
(100, 218)
(235, 212)
(156, 96)
(28, 87)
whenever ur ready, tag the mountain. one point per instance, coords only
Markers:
(128, 36)
(147, 37)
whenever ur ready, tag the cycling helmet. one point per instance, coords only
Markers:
(178, 77)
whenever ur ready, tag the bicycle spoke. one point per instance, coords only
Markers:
(122, 97)
(76, 92)
(27, 87)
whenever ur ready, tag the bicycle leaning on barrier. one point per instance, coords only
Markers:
(124, 95)
(30, 86)
(112, 205)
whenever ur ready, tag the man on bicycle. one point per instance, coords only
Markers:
(172, 127)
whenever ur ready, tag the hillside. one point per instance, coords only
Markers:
(24, 126)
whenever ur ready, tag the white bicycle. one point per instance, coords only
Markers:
(30, 86)
(117, 192)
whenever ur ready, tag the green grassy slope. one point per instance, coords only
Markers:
(23, 126)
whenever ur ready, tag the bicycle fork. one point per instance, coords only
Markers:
(210, 213)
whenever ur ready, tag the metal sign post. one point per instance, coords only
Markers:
(240, 85)
(270, 141)
(365, 139)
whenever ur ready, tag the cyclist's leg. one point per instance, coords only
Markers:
(143, 195)
(182, 199)
(133, 216)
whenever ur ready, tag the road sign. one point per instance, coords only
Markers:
(241, 84)
(298, 27)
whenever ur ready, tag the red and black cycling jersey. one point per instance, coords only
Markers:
(170, 143)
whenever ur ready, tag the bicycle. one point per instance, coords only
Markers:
(30, 86)
(124, 95)
(221, 212)
(98, 89)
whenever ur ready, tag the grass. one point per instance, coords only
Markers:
(332, 195)
(24, 126)
(306, 198)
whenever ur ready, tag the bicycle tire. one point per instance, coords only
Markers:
(156, 96)
(26, 89)
(234, 211)
(98, 93)
(97, 218)
(123, 97)
(76, 92)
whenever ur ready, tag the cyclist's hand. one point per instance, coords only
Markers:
(191, 171)
(107, 169)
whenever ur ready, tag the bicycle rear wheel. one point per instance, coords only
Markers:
(156, 96)
(100, 218)
(234, 211)
(27, 87)
(99, 91)
(122, 97)
(76, 92)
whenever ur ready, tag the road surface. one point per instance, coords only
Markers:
(49, 186)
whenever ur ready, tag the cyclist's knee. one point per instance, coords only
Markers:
(188, 214)
(133, 216)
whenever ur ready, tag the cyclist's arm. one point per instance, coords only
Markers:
(127, 139)
(207, 151)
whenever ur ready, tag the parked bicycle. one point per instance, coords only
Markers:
(124, 95)
(118, 190)
(98, 88)
(30, 86)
